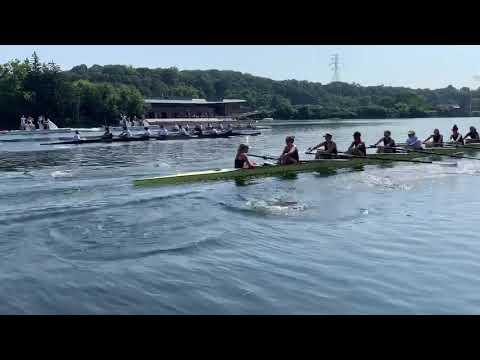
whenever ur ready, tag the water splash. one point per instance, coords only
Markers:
(61, 174)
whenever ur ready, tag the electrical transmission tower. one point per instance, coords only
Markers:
(335, 64)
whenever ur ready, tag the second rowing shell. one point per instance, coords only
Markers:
(141, 138)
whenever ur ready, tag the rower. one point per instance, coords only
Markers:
(176, 127)
(77, 137)
(456, 137)
(412, 141)
(147, 132)
(241, 159)
(162, 131)
(330, 148)
(437, 139)
(209, 126)
(220, 127)
(182, 130)
(388, 143)
(107, 134)
(357, 147)
(473, 135)
(215, 131)
(187, 128)
(126, 133)
(290, 152)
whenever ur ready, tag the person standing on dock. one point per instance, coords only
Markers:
(330, 148)
(456, 137)
(388, 143)
(23, 123)
(412, 141)
(357, 147)
(290, 152)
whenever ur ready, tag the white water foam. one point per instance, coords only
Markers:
(61, 174)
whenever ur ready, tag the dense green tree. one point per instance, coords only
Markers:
(97, 94)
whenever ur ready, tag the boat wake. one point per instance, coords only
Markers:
(274, 206)
(61, 174)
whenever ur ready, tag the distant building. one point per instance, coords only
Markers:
(183, 109)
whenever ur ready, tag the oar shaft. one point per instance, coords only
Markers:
(263, 157)
(390, 159)
(428, 152)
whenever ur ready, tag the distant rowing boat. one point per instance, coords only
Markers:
(161, 138)
(303, 166)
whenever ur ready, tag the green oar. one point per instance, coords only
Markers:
(460, 146)
(428, 152)
(379, 158)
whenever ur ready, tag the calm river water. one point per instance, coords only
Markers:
(77, 238)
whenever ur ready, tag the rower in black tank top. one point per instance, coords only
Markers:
(294, 154)
(436, 138)
(239, 163)
(457, 137)
(388, 142)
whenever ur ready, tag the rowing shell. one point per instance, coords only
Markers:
(303, 166)
(161, 138)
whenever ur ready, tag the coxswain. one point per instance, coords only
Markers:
(147, 133)
(330, 148)
(241, 159)
(473, 135)
(437, 139)
(107, 134)
(162, 131)
(290, 152)
(412, 141)
(77, 137)
(456, 137)
(388, 143)
(126, 133)
(357, 147)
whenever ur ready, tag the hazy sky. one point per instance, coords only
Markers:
(393, 65)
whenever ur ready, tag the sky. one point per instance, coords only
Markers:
(419, 66)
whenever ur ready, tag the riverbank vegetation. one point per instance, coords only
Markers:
(97, 95)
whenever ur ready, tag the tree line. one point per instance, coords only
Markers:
(96, 95)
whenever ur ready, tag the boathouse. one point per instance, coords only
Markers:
(182, 108)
